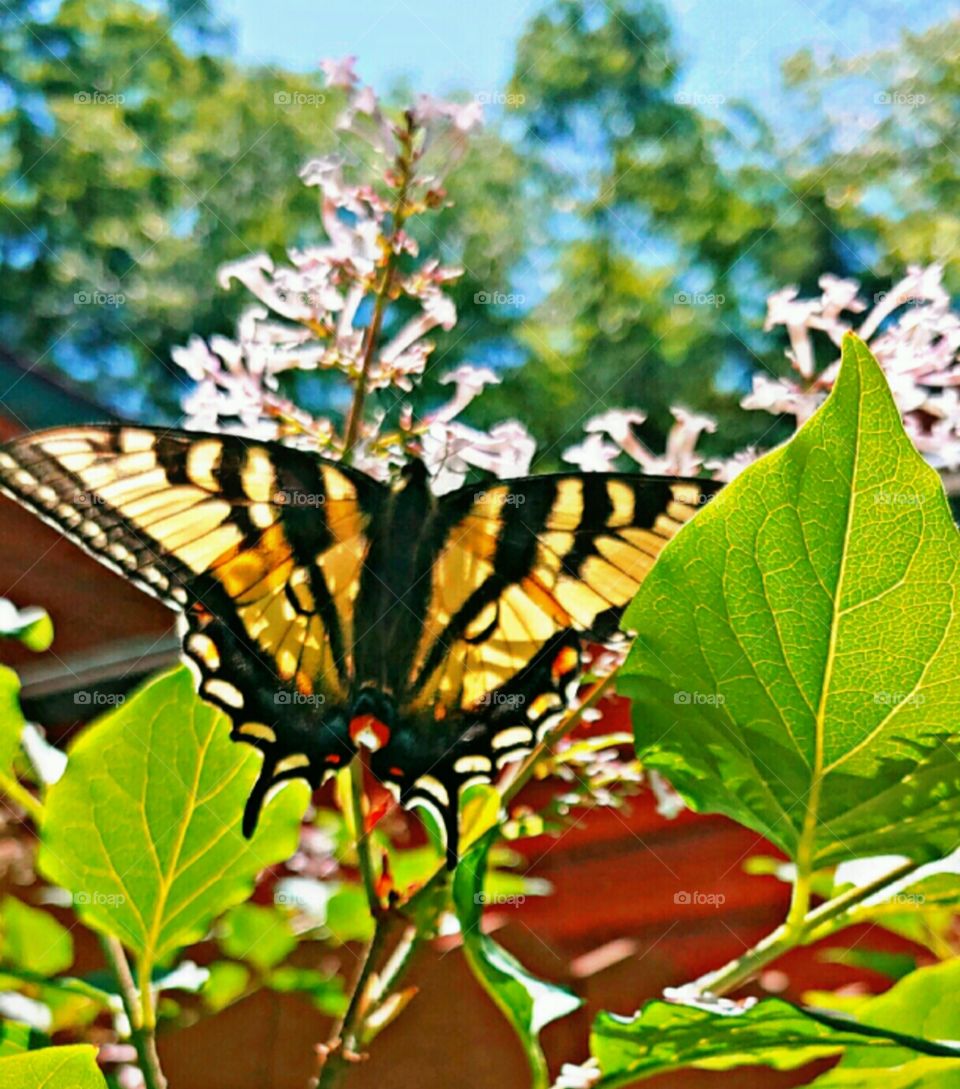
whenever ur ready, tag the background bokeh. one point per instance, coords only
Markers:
(649, 174)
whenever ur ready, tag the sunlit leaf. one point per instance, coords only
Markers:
(924, 1003)
(144, 826)
(32, 625)
(797, 662)
(226, 982)
(32, 939)
(16, 1037)
(528, 1003)
(259, 935)
(53, 1068)
(667, 1036)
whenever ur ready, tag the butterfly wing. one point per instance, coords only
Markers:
(526, 569)
(260, 548)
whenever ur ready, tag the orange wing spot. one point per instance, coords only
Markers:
(369, 731)
(201, 612)
(333, 758)
(439, 712)
(304, 684)
(565, 662)
(398, 772)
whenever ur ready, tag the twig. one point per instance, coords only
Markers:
(382, 292)
(788, 936)
(143, 1036)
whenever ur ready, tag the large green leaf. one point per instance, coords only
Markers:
(527, 1002)
(16, 1037)
(53, 1068)
(666, 1036)
(924, 1003)
(797, 660)
(144, 826)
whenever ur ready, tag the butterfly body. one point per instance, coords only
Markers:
(322, 610)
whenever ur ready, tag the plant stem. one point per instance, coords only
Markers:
(364, 853)
(340, 1050)
(791, 934)
(19, 794)
(526, 768)
(381, 293)
(142, 1035)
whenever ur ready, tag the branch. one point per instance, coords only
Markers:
(792, 934)
(382, 291)
(143, 1036)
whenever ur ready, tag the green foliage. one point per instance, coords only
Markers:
(925, 1004)
(52, 1068)
(15, 1037)
(144, 826)
(774, 1033)
(32, 939)
(528, 1003)
(32, 626)
(796, 663)
(259, 935)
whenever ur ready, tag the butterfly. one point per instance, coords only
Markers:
(322, 609)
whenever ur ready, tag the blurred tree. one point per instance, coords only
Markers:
(135, 162)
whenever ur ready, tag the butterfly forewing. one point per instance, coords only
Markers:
(260, 546)
(527, 559)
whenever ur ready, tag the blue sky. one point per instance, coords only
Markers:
(732, 47)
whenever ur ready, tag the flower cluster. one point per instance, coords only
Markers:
(329, 308)
(911, 330)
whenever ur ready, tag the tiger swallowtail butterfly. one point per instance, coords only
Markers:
(321, 609)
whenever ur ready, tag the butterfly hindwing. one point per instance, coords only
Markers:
(524, 570)
(258, 545)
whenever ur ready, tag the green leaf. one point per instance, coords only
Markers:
(528, 1003)
(324, 991)
(11, 719)
(53, 1068)
(665, 1036)
(32, 625)
(261, 936)
(16, 1037)
(144, 826)
(797, 660)
(924, 1003)
(225, 984)
(33, 939)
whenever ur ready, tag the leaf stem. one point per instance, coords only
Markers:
(364, 853)
(383, 287)
(142, 1034)
(19, 794)
(791, 934)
